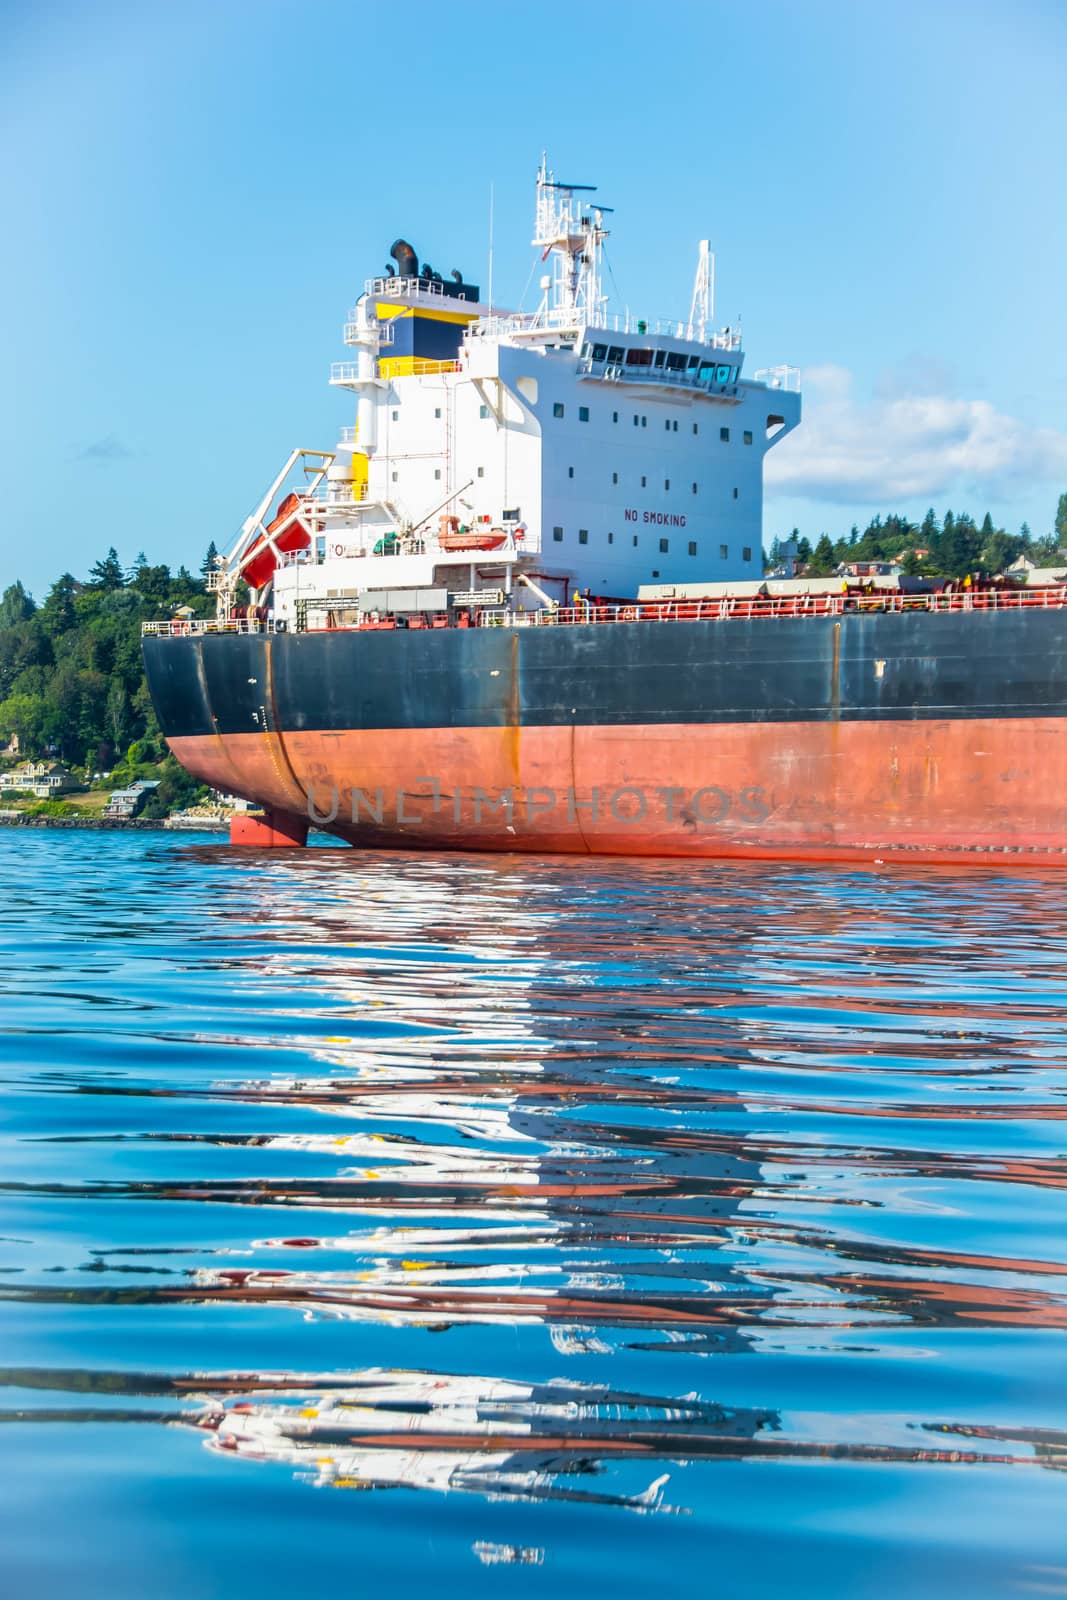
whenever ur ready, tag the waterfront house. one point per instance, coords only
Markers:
(45, 780)
(126, 803)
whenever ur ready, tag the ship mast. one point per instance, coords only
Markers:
(702, 305)
(572, 231)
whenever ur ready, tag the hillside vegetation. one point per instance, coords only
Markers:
(72, 682)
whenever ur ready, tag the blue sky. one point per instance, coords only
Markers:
(195, 194)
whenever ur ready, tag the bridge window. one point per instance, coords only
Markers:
(583, 413)
(723, 374)
(747, 436)
(675, 361)
(615, 352)
(583, 535)
(692, 547)
(658, 361)
(599, 352)
(724, 435)
(557, 409)
(639, 358)
(557, 534)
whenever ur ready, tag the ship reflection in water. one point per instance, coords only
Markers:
(548, 1186)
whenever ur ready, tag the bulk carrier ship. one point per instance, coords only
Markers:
(520, 606)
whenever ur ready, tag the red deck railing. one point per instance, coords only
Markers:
(586, 612)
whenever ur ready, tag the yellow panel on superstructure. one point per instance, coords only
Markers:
(360, 475)
(386, 312)
(413, 367)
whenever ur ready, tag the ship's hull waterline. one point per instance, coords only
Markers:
(921, 736)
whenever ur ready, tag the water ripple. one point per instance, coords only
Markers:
(466, 1176)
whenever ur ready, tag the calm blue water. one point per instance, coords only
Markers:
(460, 1226)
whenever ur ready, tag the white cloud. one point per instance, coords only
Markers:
(905, 446)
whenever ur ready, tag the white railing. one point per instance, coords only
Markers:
(779, 378)
(195, 627)
(396, 288)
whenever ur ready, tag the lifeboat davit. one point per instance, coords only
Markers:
(289, 532)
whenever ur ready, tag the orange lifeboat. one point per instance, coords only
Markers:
(479, 536)
(289, 532)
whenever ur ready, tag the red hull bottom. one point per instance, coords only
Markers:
(954, 791)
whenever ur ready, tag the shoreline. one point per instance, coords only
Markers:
(102, 824)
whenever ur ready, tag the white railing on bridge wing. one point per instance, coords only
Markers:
(779, 378)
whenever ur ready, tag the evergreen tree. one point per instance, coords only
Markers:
(853, 535)
(930, 532)
(1025, 535)
(822, 562)
(16, 606)
(210, 557)
(108, 574)
(1060, 525)
(803, 546)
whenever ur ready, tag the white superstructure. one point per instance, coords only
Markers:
(570, 447)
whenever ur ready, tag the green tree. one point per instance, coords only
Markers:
(210, 557)
(107, 574)
(15, 606)
(999, 551)
(1060, 524)
(822, 562)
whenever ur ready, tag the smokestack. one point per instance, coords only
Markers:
(406, 259)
